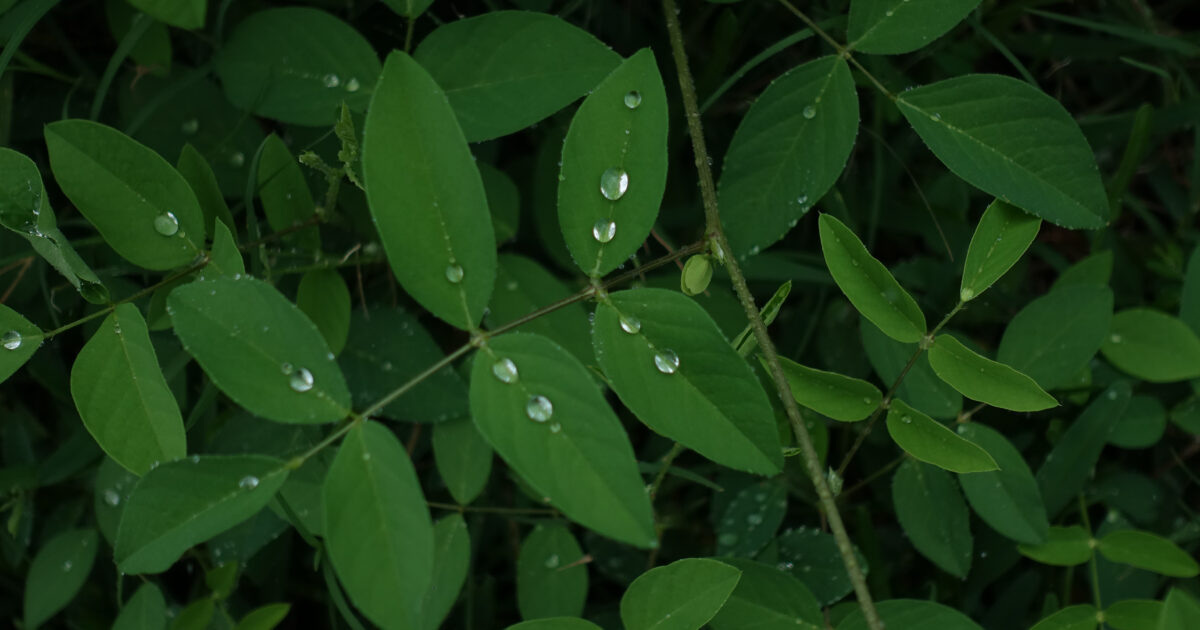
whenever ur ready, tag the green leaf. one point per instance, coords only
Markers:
(932, 442)
(1153, 346)
(1142, 425)
(1007, 499)
(1148, 551)
(451, 559)
(264, 617)
(524, 286)
(1134, 614)
(152, 49)
(426, 196)
(892, 27)
(284, 193)
(787, 152)
(146, 610)
(1011, 140)
(377, 529)
(297, 65)
(1094, 269)
(225, 259)
(999, 241)
(1069, 465)
(835, 395)
(19, 339)
(1180, 611)
(408, 8)
(196, 615)
(811, 556)
(505, 70)
(503, 199)
(1077, 617)
(199, 175)
(868, 284)
(122, 396)
(111, 491)
(614, 166)
(1189, 294)
(987, 381)
(1064, 547)
(186, 14)
(540, 409)
(463, 458)
(921, 388)
(141, 205)
(682, 595)
(546, 587)
(556, 623)
(678, 374)
(1055, 336)
(185, 502)
(933, 515)
(745, 342)
(767, 599)
(57, 572)
(325, 298)
(912, 614)
(749, 521)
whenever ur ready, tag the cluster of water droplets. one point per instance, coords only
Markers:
(11, 340)
(299, 379)
(614, 181)
(332, 80)
(538, 408)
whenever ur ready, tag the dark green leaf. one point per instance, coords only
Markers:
(767, 599)
(1145, 550)
(1064, 547)
(550, 580)
(931, 441)
(264, 617)
(912, 614)
(1077, 617)
(1000, 239)
(503, 199)
(463, 459)
(1007, 499)
(1134, 614)
(225, 259)
(811, 556)
(987, 381)
(146, 610)
(1142, 425)
(1153, 346)
(58, 571)
(1180, 611)
(19, 339)
(891, 27)
(556, 623)
(187, 14)
(522, 287)
(1094, 269)
(199, 175)
(196, 615)
(933, 515)
(682, 595)
(111, 491)
(835, 395)
(921, 387)
(408, 8)
(153, 48)
(1069, 465)
(451, 559)
(325, 298)
(751, 519)
(1189, 295)
(284, 193)
(1053, 337)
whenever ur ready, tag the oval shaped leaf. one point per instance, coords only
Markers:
(787, 152)
(284, 193)
(1153, 346)
(767, 599)
(1001, 238)
(548, 420)
(463, 458)
(200, 176)
(933, 515)
(932, 442)
(146, 610)
(1134, 614)
(1180, 611)
(1069, 465)
(682, 595)
(259, 349)
(987, 381)
(1077, 617)
(1142, 425)
(1006, 499)
(426, 196)
(555, 623)
(551, 582)
(264, 617)
(325, 298)
(912, 614)
(19, 339)
(1012, 141)
(678, 374)
(892, 27)
(614, 166)
(811, 556)
(1053, 337)
(451, 559)
(57, 572)
(835, 395)
(751, 519)
(1148, 551)
(1064, 547)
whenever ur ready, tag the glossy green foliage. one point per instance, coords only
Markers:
(57, 572)
(767, 599)
(683, 595)
(1153, 346)
(555, 623)
(146, 610)
(1064, 546)
(835, 395)
(19, 339)
(1133, 614)
(1142, 425)
(1180, 611)
(1148, 551)
(463, 458)
(1007, 499)
(920, 387)
(751, 519)
(1078, 617)
(264, 617)
(934, 515)
(284, 193)
(987, 381)
(325, 299)
(931, 441)
(426, 197)
(551, 582)
(913, 614)
(1054, 336)
(898, 26)
(1069, 464)
(1000, 239)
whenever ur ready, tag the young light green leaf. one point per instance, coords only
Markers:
(921, 388)
(912, 614)
(868, 284)
(186, 14)
(682, 595)
(146, 610)
(1053, 337)
(141, 205)
(933, 515)
(264, 617)
(985, 127)
(550, 580)
(122, 396)
(1094, 269)
(614, 166)
(670, 364)
(835, 395)
(1069, 465)
(1148, 551)
(1142, 425)
(767, 599)
(377, 528)
(1006, 499)
(463, 458)
(199, 175)
(19, 339)
(259, 349)
(811, 556)
(1064, 547)
(185, 502)
(1134, 614)
(745, 342)
(1180, 611)
(932, 442)
(1153, 346)
(1001, 238)
(284, 193)
(505, 70)
(987, 381)
(451, 559)
(325, 298)
(540, 409)
(58, 571)
(750, 520)
(426, 196)
(787, 152)
(196, 615)
(524, 286)
(892, 27)
(297, 65)
(1077, 617)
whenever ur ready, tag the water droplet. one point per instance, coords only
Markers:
(937, 116)
(352, 85)
(906, 419)
(237, 159)
(166, 224)
(302, 380)
(331, 80)
(1115, 338)
(604, 230)
(633, 98)
(539, 408)
(11, 340)
(809, 112)
(249, 482)
(454, 273)
(754, 519)
(505, 371)
(287, 368)
(613, 183)
(555, 428)
(802, 199)
(666, 361)
(966, 294)
(190, 126)
(67, 565)
(112, 498)
(630, 324)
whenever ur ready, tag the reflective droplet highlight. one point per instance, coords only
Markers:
(352, 85)
(613, 183)
(287, 368)
(454, 273)
(11, 340)
(604, 230)
(249, 482)
(633, 99)
(112, 498)
(331, 81)
(237, 159)
(539, 408)
(809, 112)
(552, 561)
(190, 126)
(301, 380)
(166, 224)
(505, 371)
(666, 361)
(630, 324)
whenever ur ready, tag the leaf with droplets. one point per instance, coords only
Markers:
(551, 582)
(933, 515)
(426, 196)
(811, 556)
(325, 298)
(188, 501)
(284, 193)
(1069, 465)
(377, 527)
(1077, 617)
(122, 396)
(259, 349)
(683, 595)
(1134, 614)
(524, 286)
(463, 458)
(911, 614)
(57, 572)
(451, 559)
(1000, 239)
(614, 166)
(1064, 547)
(1007, 499)
(19, 339)
(892, 27)
(540, 409)
(668, 361)
(987, 381)
(1054, 336)
(835, 395)
(787, 152)
(199, 175)
(932, 442)
(1153, 346)
(751, 518)
(1148, 551)
(767, 599)
(146, 610)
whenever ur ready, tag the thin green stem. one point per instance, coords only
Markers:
(416, 380)
(141, 22)
(1087, 525)
(842, 51)
(353, 420)
(872, 477)
(666, 460)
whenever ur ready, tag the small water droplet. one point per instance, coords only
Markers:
(802, 199)
(352, 85)
(613, 183)
(552, 561)
(166, 224)
(331, 80)
(249, 482)
(937, 116)
(630, 324)
(1115, 338)
(604, 230)
(906, 419)
(555, 428)
(539, 408)
(112, 498)
(809, 112)
(728, 539)
(190, 126)
(666, 361)
(301, 380)
(505, 370)
(67, 565)
(237, 159)
(633, 99)
(11, 340)
(287, 368)
(754, 519)
(454, 273)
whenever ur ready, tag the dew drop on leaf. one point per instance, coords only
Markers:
(604, 230)
(539, 408)
(666, 361)
(67, 566)
(166, 224)
(112, 498)
(809, 112)
(287, 368)
(237, 159)
(248, 482)
(633, 98)
(352, 85)
(555, 428)
(454, 273)
(190, 126)
(505, 371)
(728, 539)
(301, 380)
(630, 324)
(552, 561)
(613, 183)
(11, 340)
(331, 81)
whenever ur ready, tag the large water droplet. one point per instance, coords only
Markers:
(190, 126)
(666, 361)
(112, 498)
(331, 80)
(302, 380)
(11, 340)
(630, 324)
(539, 408)
(633, 98)
(809, 112)
(352, 85)
(613, 183)
(454, 273)
(505, 371)
(552, 561)
(166, 224)
(604, 230)
(249, 482)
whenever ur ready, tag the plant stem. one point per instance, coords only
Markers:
(1087, 525)
(713, 229)
(842, 51)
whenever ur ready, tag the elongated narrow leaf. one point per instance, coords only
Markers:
(451, 559)
(141, 205)
(811, 556)
(931, 441)
(1134, 614)
(325, 298)
(1153, 346)
(1077, 617)
(297, 65)
(426, 196)
(933, 515)
(146, 610)
(920, 387)
(550, 580)
(1053, 337)
(377, 528)
(787, 152)
(892, 27)
(58, 571)
(286, 199)
(1180, 611)
(1011, 140)
(540, 409)
(682, 595)
(187, 14)
(122, 397)
(868, 284)
(1001, 238)
(1064, 547)
(522, 287)
(19, 339)
(259, 349)
(987, 381)
(838, 396)
(912, 614)
(614, 166)
(185, 502)
(1145, 550)
(1069, 465)
(1007, 499)
(463, 458)
(670, 364)
(767, 599)
(199, 175)
(505, 70)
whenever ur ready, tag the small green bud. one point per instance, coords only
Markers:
(697, 273)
